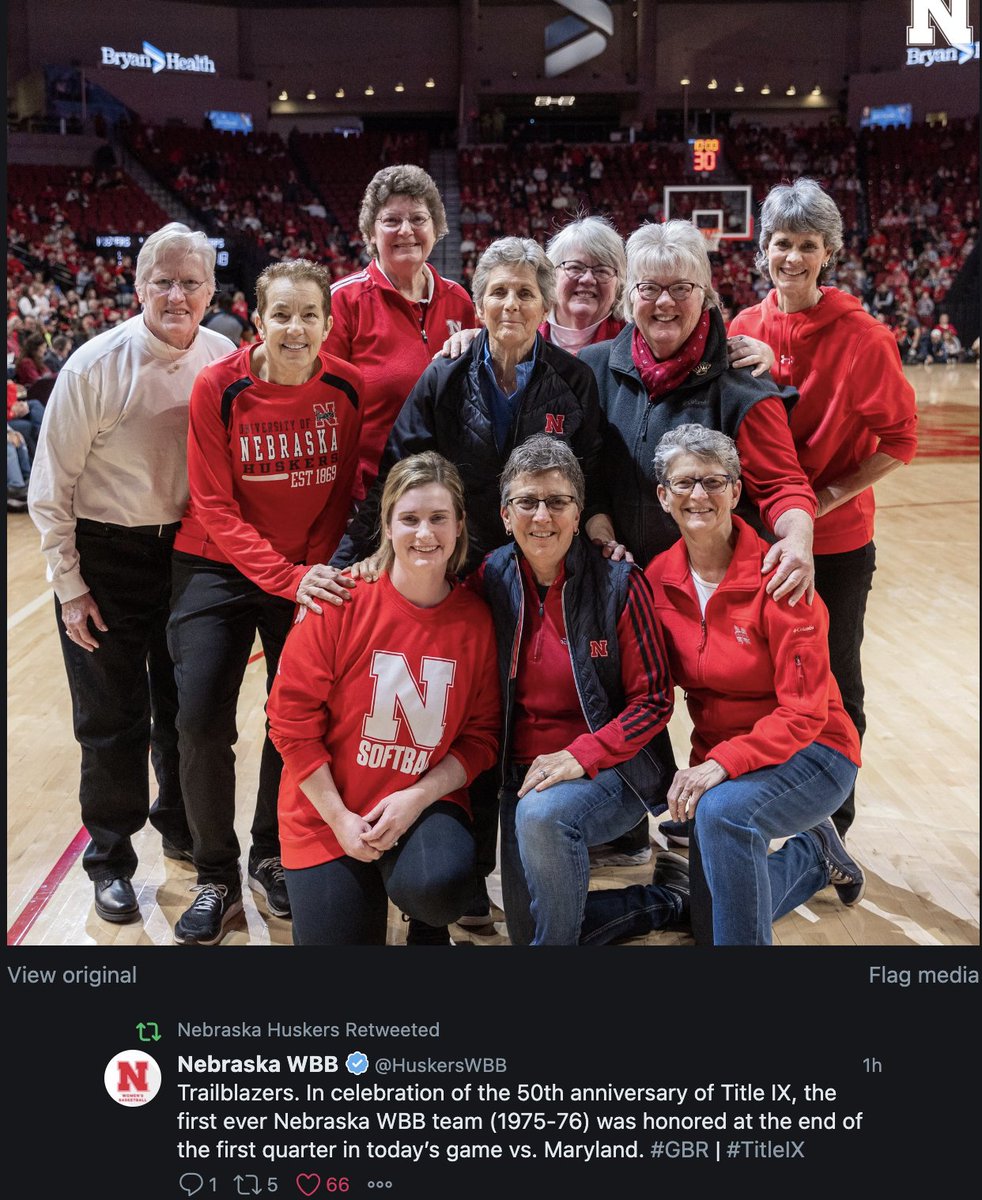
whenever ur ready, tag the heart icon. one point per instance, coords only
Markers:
(308, 1184)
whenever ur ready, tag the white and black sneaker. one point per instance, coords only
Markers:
(266, 878)
(203, 924)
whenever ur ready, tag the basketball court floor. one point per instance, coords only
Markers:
(917, 828)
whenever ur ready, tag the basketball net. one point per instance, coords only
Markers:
(712, 237)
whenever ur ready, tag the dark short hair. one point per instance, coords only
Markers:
(404, 179)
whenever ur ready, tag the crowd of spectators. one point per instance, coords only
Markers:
(909, 198)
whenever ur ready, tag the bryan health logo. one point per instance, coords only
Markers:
(156, 60)
(950, 19)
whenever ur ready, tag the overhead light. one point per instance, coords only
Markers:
(765, 90)
(712, 85)
(739, 87)
(369, 91)
(311, 95)
(792, 90)
(430, 82)
(400, 87)
(816, 90)
(685, 81)
(282, 96)
(339, 94)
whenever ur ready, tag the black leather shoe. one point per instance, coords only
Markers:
(180, 852)
(115, 901)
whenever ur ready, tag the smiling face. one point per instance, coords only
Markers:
(586, 300)
(795, 262)
(665, 323)
(423, 529)
(699, 512)
(512, 309)
(544, 537)
(171, 313)
(293, 328)
(401, 245)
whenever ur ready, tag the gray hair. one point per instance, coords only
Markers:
(515, 252)
(541, 453)
(594, 237)
(800, 207)
(708, 444)
(675, 248)
(174, 236)
(401, 180)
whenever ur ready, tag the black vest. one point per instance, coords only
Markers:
(594, 595)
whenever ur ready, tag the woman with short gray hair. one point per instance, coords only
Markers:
(855, 421)
(669, 367)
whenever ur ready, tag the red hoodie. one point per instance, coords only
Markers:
(754, 670)
(854, 401)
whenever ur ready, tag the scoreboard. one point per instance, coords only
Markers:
(704, 154)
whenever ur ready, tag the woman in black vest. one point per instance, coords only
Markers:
(586, 699)
(669, 367)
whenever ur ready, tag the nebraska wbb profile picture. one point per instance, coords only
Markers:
(132, 1078)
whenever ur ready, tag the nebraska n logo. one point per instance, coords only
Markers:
(423, 706)
(950, 18)
(572, 41)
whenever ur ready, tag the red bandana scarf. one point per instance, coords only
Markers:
(662, 377)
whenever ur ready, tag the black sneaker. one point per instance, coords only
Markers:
(480, 913)
(845, 874)
(266, 878)
(676, 833)
(203, 924)
(672, 873)
(421, 934)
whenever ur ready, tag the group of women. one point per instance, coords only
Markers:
(590, 496)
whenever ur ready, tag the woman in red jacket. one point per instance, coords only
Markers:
(854, 422)
(384, 710)
(773, 751)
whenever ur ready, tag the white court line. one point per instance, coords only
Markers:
(23, 613)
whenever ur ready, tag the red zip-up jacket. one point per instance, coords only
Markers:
(855, 399)
(754, 670)
(391, 341)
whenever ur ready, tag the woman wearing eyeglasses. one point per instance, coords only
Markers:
(272, 454)
(773, 751)
(509, 384)
(669, 367)
(586, 694)
(392, 317)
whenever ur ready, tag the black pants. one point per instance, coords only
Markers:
(124, 700)
(429, 875)
(844, 581)
(215, 615)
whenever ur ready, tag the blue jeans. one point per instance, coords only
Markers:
(18, 466)
(429, 875)
(545, 851)
(734, 824)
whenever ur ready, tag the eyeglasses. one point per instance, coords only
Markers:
(576, 270)
(530, 504)
(187, 286)
(711, 484)
(647, 289)
(394, 224)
